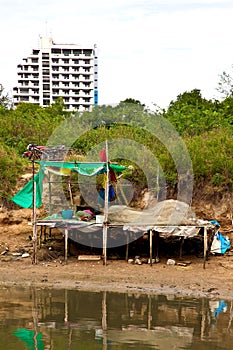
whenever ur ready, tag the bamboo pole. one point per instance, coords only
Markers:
(66, 244)
(151, 234)
(34, 220)
(50, 196)
(70, 192)
(205, 246)
(127, 247)
(105, 223)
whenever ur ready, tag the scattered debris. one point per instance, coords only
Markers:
(225, 267)
(130, 261)
(152, 261)
(171, 262)
(137, 261)
(4, 252)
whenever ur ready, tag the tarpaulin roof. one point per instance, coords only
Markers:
(89, 168)
(24, 197)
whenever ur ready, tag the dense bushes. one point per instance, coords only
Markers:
(204, 127)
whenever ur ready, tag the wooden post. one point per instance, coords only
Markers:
(66, 244)
(50, 196)
(105, 223)
(70, 192)
(181, 247)
(205, 246)
(151, 247)
(34, 221)
(127, 247)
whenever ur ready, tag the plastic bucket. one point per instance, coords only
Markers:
(67, 214)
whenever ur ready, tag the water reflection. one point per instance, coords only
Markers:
(44, 319)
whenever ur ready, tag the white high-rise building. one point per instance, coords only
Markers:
(59, 70)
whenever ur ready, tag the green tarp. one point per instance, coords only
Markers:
(24, 198)
(31, 341)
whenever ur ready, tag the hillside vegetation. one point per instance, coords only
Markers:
(202, 127)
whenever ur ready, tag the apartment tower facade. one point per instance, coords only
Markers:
(58, 70)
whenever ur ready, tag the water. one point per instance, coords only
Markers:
(44, 319)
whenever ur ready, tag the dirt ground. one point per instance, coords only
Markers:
(16, 268)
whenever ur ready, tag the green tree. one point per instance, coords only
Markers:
(4, 98)
(191, 114)
(225, 84)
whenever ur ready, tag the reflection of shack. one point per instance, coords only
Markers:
(82, 318)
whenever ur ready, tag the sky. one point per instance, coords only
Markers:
(149, 50)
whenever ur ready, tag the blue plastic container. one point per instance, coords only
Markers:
(67, 214)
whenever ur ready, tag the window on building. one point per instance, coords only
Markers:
(24, 98)
(56, 51)
(24, 90)
(55, 60)
(45, 71)
(66, 52)
(46, 86)
(77, 52)
(87, 52)
(45, 64)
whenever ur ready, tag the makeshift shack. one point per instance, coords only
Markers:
(111, 225)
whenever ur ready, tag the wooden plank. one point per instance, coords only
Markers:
(89, 257)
